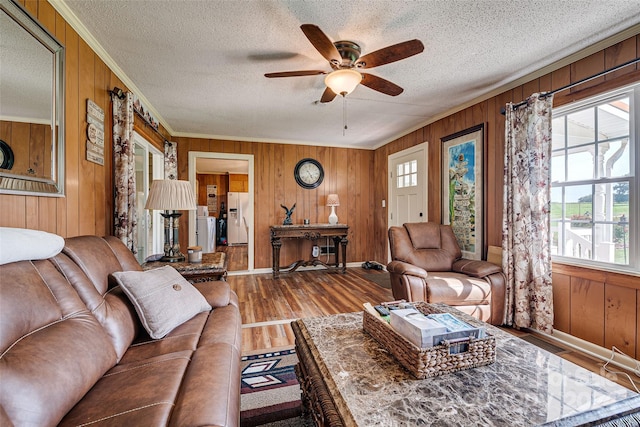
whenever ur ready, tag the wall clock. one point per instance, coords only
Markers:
(308, 173)
(6, 156)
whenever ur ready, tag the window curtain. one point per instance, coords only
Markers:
(525, 226)
(170, 160)
(124, 164)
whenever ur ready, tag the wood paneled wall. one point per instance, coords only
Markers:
(488, 112)
(88, 203)
(358, 176)
(599, 307)
(222, 181)
(347, 172)
(31, 146)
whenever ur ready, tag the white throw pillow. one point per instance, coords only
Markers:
(22, 244)
(162, 298)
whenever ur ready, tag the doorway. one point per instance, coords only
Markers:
(407, 186)
(149, 167)
(197, 157)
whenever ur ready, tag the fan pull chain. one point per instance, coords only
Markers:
(344, 115)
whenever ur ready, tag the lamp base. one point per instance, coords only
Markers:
(172, 251)
(333, 218)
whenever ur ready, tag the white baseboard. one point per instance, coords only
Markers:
(268, 270)
(594, 350)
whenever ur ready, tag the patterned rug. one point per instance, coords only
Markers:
(270, 391)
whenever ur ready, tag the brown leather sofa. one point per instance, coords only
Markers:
(427, 265)
(73, 351)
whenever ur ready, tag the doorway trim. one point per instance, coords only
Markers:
(391, 158)
(193, 155)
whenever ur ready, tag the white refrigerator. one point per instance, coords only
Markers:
(238, 217)
(206, 233)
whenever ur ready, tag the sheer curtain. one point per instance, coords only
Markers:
(124, 165)
(525, 226)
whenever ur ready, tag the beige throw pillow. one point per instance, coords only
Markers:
(162, 297)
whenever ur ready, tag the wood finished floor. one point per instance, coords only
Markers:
(268, 306)
(237, 257)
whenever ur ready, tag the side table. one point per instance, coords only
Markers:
(337, 232)
(212, 267)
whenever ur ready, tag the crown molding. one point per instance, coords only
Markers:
(63, 9)
(568, 60)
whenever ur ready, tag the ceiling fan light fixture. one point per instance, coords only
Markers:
(343, 82)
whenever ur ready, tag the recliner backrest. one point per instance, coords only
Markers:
(52, 350)
(88, 262)
(428, 245)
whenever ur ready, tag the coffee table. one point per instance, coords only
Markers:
(348, 379)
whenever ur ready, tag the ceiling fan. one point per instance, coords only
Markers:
(345, 60)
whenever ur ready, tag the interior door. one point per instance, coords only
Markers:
(408, 185)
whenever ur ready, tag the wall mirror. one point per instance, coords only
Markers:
(31, 105)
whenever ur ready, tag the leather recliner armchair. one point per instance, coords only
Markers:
(427, 265)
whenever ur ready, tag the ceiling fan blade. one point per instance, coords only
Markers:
(327, 95)
(390, 54)
(295, 73)
(381, 85)
(321, 42)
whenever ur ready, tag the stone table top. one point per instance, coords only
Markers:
(525, 386)
(213, 261)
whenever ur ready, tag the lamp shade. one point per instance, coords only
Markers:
(171, 195)
(333, 200)
(343, 82)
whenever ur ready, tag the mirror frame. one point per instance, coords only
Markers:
(20, 184)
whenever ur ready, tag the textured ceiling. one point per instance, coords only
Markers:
(201, 64)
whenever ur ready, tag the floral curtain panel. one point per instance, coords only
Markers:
(525, 226)
(124, 164)
(170, 160)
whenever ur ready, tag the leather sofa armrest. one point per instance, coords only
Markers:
(399, 267)
(475, 268)
(217, 293)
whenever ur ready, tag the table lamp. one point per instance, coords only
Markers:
(333, 201)
(171, 196)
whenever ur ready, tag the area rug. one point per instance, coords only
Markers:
(380, 279)
(270, 391)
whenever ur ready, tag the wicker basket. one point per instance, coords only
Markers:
(432, 361)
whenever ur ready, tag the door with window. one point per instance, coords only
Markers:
(149, 166)
(408, 185)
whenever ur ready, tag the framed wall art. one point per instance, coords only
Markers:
(463, 189)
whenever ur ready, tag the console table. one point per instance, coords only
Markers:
(347, 379)
(212, 267)
(338, 232)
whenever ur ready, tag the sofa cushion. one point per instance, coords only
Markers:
(162, 298)
(111, 307)
(457, 289)
(133, 394)
(52, 349)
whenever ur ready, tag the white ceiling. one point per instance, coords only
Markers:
(201, 64)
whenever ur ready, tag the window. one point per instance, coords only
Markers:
(407, 174)
(594, 190)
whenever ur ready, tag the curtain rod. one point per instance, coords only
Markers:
(579, 82)
(121, 94)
